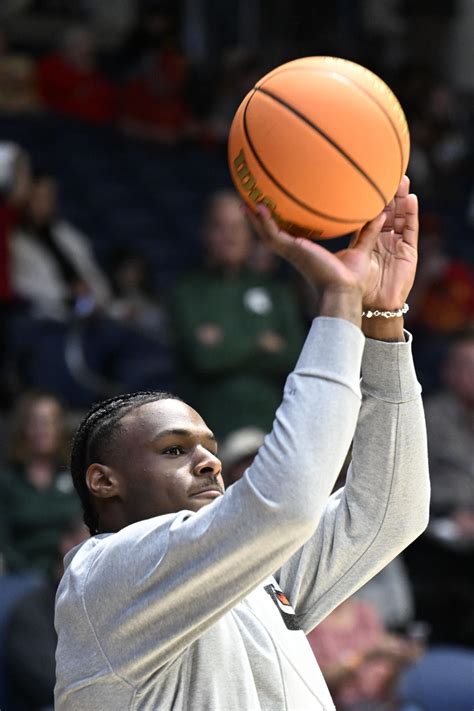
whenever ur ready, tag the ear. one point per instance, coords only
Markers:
(102, 481)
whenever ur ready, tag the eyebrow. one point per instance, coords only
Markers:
(183, 433)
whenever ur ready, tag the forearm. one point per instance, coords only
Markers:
(384, 504)
(388, 487)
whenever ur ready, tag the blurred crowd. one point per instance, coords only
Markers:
(165, 287)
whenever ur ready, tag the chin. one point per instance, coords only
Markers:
(197, 505)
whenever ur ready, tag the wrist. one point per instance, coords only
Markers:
(381, 329)
(342, 302)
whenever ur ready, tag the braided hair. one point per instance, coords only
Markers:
(93, 438)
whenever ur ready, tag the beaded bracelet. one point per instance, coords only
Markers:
(386, 314)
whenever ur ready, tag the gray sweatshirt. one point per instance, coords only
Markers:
(209, 610)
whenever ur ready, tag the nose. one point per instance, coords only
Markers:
(206, 463)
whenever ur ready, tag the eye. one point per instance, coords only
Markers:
(174, 451)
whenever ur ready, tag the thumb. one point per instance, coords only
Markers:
(369, 233)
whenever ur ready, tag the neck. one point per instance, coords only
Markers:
(40, 471)
(230, 271)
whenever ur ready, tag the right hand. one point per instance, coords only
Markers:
(396, 649)
(271, 342)
(347, 269)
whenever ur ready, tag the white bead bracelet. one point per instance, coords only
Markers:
(386, 314)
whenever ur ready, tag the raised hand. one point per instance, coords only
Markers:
(379, 264)
(395, 253)
(349, 268)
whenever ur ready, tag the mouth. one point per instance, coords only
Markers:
(211, 492)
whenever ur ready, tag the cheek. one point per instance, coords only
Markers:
(160, 489)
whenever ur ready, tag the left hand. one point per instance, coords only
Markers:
(397, 649)
(271, 342)
(394, 257)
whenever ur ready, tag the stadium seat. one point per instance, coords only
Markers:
(443, 680)
(13, 586)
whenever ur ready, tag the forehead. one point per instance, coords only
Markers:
(44, 406)
(154, 417)
(226, 208)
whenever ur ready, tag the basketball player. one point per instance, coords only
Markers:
(186, 597)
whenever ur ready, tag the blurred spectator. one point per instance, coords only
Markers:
(391, 595)
(53, 267)
(390, 592)
(441, 301)
(18, 91)
(450, 426)
(441, 562)
(134, 303)
(238, 451)
(70, 82)
(110, 21)
(449, 119)
(360, 661)
(66, 341)
(156, 26)
(239, 71)
(153, 104)
(441, 681)
(238, 333)
(440, 154)
(30, 638)
(263, 261)
(432, 21)
(36, 492)
(15, 183)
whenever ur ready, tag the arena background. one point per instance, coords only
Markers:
(113, 125)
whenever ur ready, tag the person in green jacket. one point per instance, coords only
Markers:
(37, 497)
(237, 332)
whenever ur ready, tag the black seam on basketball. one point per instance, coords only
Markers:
(282, 188)
(327, 138)
(387, 116)
(359, 86)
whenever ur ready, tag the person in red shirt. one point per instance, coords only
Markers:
(71, 84)
(15, 185)
(443, 293)
(153, 105)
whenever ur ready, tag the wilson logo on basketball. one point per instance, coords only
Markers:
(248, 183)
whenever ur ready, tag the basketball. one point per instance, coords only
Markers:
(323, 142)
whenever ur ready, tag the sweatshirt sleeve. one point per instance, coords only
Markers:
(383, 506)
(157, 585)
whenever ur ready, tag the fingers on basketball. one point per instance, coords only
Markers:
(410, 228)
(369, 234)
(400, 205)
(389, 211)
(267, 229)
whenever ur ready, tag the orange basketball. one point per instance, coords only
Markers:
(323, 142)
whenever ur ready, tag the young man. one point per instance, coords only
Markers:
(189, 598)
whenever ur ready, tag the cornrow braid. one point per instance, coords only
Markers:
(93, 437)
